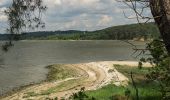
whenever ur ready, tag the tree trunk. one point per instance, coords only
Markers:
(161, 12)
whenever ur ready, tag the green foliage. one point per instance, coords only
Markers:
(81, 95)
(161, 71)
(127, 93)
(123, 32)
(158, 52)
(52, 99)
(6, 46)
(21, 14)
(140, 65)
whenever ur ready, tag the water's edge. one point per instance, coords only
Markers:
(34, 55)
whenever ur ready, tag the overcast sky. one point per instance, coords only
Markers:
(79, 14)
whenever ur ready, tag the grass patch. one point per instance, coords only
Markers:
(59, 72)
(110, 92)
(148, 90)
(64, 86)
(106, 92)
(138, 74)
(30, 94)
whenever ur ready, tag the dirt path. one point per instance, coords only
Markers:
(92, 76)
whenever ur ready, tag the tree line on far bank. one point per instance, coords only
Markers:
(123, 32)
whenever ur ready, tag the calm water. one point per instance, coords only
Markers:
(25, 62)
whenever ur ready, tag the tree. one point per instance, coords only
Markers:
(24, 13)
(159, 50)
(160, 10)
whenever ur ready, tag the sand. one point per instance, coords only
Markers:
(92, 76)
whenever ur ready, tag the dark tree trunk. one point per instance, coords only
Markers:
(161, 12)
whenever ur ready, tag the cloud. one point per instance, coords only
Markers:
(105, 19)
(57, 2)
(3, 18)
(5, 3)
(82, 14)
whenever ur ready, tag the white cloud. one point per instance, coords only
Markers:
(57, 2)
(105, 19)
(82, 14)
(3, 18)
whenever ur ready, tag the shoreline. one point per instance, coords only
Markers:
(22, 88)
(86, 40)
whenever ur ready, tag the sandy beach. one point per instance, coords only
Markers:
(92, 76)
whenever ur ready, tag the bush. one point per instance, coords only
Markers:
(161, 71)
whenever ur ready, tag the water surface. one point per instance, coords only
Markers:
(25, 62)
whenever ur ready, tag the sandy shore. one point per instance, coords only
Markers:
(92, 76)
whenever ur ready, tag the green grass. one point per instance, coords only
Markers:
(106, 92)
(148, 90)
(59, 72)
(109, 91)
(30, 94)
(64, 86)
(138, 74)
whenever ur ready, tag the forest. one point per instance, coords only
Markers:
(146, 31)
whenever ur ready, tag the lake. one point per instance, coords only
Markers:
(25, 62)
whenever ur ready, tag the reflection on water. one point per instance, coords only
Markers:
(24, 63)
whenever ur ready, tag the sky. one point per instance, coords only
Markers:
(85, 15)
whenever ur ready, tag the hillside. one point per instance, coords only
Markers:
(122, 32)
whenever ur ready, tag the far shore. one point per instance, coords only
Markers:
(88, 40)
